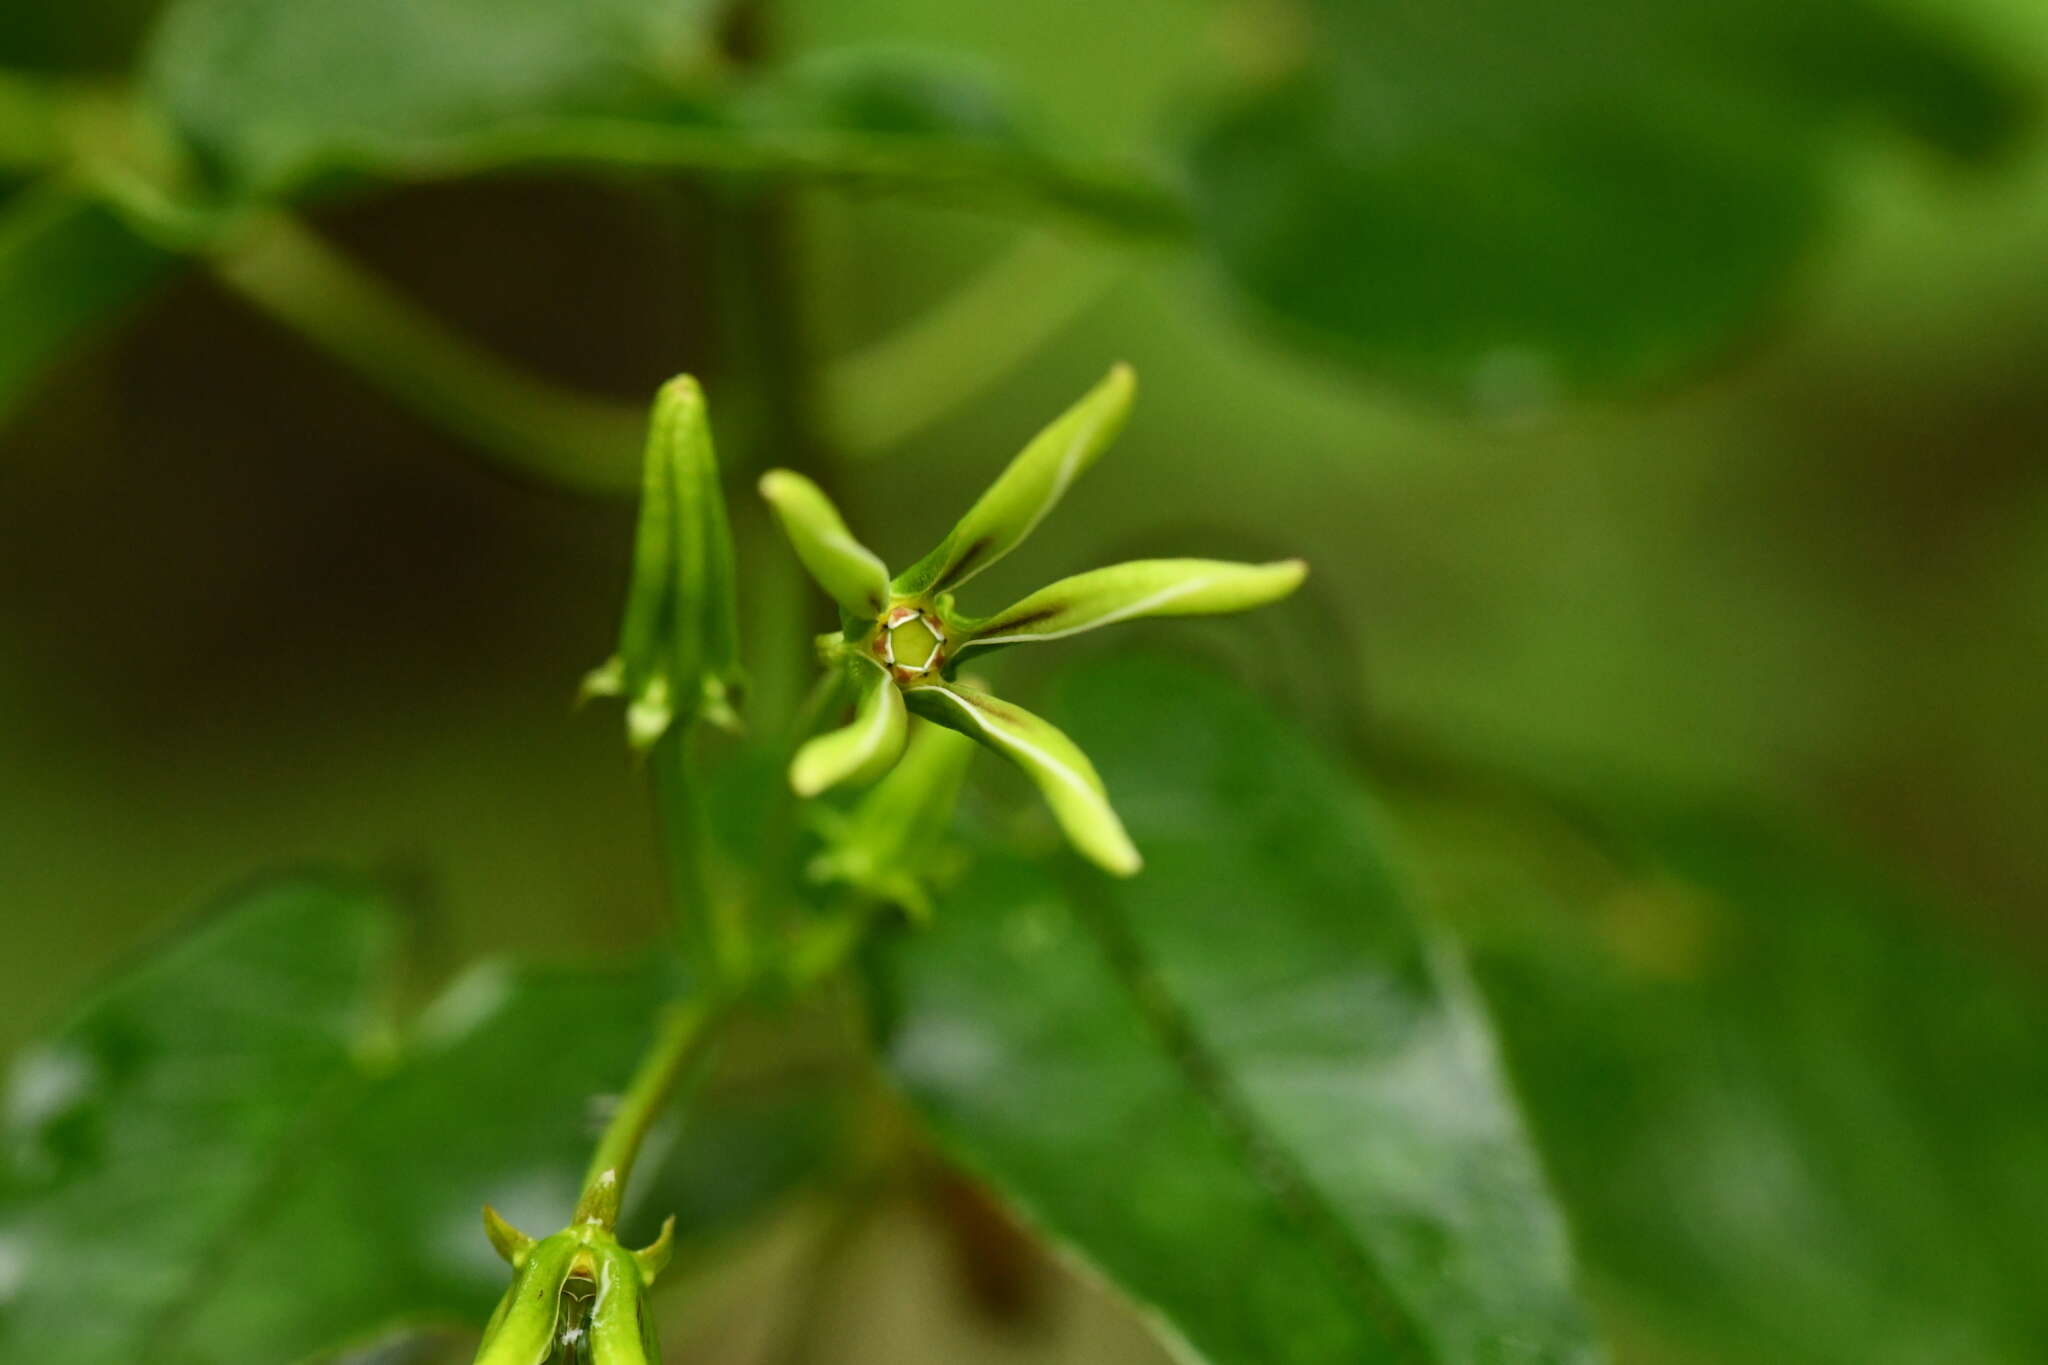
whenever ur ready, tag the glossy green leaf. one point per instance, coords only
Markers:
(68, 264)
(141, 1134)
(1244, 1085)
(221, 1161)
(272, 93)
(850, 573)
(1798, 1116)
(1128, 592)
(1062, 772)
(1503, 202)
(863, 749)
(1027, 490)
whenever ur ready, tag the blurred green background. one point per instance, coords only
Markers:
(254, 611)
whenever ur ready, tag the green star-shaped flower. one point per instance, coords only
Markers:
(904, 637)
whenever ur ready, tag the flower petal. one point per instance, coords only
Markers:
(1035, 481)
(1125, 592)
(1063, 773)
(847, 570)
(522, 1331)
(863, 750)
(621, 1328)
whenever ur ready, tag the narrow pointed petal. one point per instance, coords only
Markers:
(621, 1328)
(1033, 484)
(865, 749)
(850, 573)
(522, 1331)
(1063, 773)
(1126, 592)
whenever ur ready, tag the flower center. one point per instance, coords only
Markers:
(911, 643)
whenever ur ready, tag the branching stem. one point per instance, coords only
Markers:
(538, 428)
(687, 1030)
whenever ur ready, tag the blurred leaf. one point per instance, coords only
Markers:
(1503, 201)
(892, 91)
(1243, 1084)
(273, 92)
(67, 264)
(139, 1136)
(277, 96)
(1797, 1120)
(86, 35)
(343, 1189)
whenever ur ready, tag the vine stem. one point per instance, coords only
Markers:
(879, 396)
(685, 844)
(539, 429)
(686, 1031)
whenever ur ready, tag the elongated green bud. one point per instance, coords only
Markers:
(678, 656)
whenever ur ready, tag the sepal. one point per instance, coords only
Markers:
(508, 1241)
(678, 655)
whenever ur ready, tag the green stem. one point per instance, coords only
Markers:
(889, 390)
(1107, 198)
(537, 428)
(685, 845)
(715, 939)
(686, 1032)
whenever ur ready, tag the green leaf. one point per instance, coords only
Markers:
(893, 92)
(1062, 772)
(850, 573)
(68, 264)
(866, 747)
(1799, 1114)
(1027, 490)
(221, 1161)
(1245, 1085)
(1128, 592)
(274, 93)
(141, 1134)
(1501, 201)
